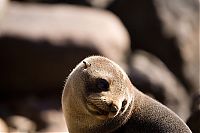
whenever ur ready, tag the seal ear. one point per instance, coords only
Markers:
(86, 64)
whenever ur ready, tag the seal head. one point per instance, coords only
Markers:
(95, 96)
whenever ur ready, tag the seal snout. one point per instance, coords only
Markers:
(113, 108)
(103, 107)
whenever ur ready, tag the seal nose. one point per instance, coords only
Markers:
(113, 107)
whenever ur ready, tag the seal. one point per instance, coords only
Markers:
(98, 97)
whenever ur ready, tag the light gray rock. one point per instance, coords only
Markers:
(80, 25)
(41, 43)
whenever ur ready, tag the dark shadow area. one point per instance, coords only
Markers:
(194, 119)
(141, 82)
(33, 66)
(33, 75)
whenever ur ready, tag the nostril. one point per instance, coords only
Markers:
(113, 108)
(124, 103)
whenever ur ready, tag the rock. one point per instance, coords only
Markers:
(41, 43)
(100, 3)
(21, 124)
(3, 127)
(168, 29)
(55, 121)
(180, 20)
(33, 113)
(95, 3)
(3, 6)
(151, 76)
(81, 2)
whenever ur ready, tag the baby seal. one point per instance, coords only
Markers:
(98, 97)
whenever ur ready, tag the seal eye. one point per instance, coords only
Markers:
(102, 84)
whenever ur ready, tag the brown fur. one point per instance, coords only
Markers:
(99, 98)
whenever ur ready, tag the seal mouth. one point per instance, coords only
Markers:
(93, 109)
(107, 113)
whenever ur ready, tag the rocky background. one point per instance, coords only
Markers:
(155, 41)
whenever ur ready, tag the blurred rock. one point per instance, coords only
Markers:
(3, 6)
(180, 19)
(3, 127)
(100, 3)
(55, 121)
(33, 113)
(169, 29)
(20, 124)
(95, 3)
(82, 2)
(41, 43)
(152, 77)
